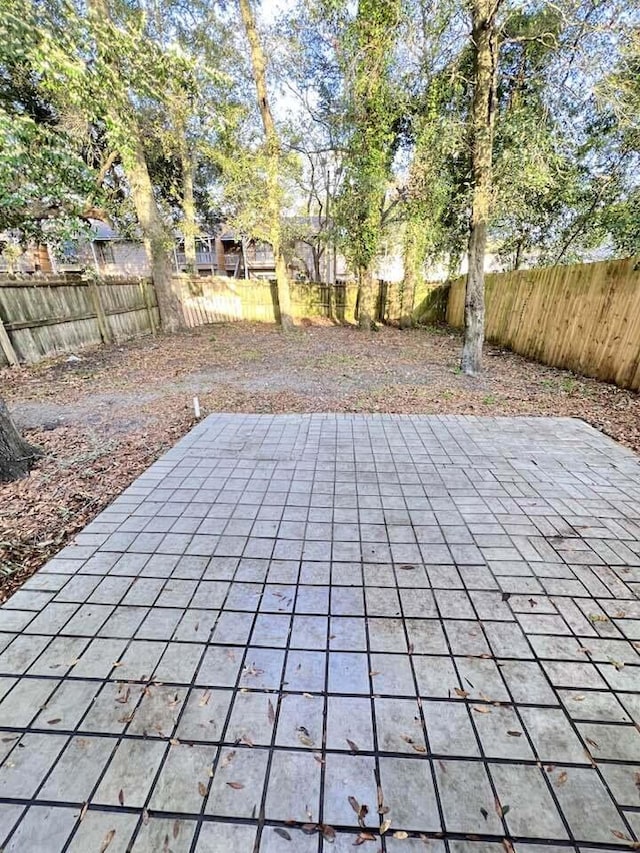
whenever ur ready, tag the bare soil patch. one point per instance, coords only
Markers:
(104, 418)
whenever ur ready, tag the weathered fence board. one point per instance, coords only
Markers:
(584, 317)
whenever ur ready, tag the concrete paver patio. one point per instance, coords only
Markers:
(292, 630)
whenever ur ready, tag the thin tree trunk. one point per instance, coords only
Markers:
(366, 299)
(17, 456)
(485, 46)
(412, 262)
(157, 240)
(126, 137)
(189, 227)
(259, 66)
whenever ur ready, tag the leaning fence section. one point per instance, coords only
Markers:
(47, 316)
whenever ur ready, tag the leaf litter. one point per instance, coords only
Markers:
(99, 432)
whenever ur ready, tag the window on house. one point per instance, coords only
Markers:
(104, 251)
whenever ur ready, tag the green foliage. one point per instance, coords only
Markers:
(371, 114)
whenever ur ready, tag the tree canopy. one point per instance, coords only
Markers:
(372, 111)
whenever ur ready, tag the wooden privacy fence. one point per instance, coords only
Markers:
(210, 299)
(46, 316)
(585, 317)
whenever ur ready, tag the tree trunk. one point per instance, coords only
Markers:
(272, 141)
(17, 456)
(189, 227)
(157, 240)
(485, 47)
(126, 137)
(366, 299)
(412, 262)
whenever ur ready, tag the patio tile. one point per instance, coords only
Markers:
(96, 826)
(293, 790)
(184, 778)
(130, 773)
(582, 785)
(78, 769)
(532, 812)
(468, 802)
(229, 617)
(408, 790)
(24, 769)
(42, 828)
(300, 721)
(349, 776)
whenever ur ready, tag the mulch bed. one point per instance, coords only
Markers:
(106, 416)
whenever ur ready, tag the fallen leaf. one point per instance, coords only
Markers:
(506, 596)
(592, 742)
(145, 817)
(481, 709)
(355, 805)
(237, 786)
(353, 746)
(83, 811)
(484, 813)
(303, 736)
(282, 833)
(362, 814)
(620, 835)
(202, 789)
(328, 832)
(401, 835)
(385, 825)
(460, 692)
(226, 761)
(310, 828)
(271, 714)
(106, 841)
(174, 741)
(562, 778)
(55, 721)
(176, 828)
(204, 700)
(513, 733)
(364, 836)
(121, 797)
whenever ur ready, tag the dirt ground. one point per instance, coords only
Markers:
(103, 416)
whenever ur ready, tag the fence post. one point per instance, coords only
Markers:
(7, 346)
(144, 287)
(103, 323)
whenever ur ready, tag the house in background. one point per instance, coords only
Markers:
(13, 259)
(104, 251)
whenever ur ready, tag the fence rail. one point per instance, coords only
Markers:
(584, 317)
